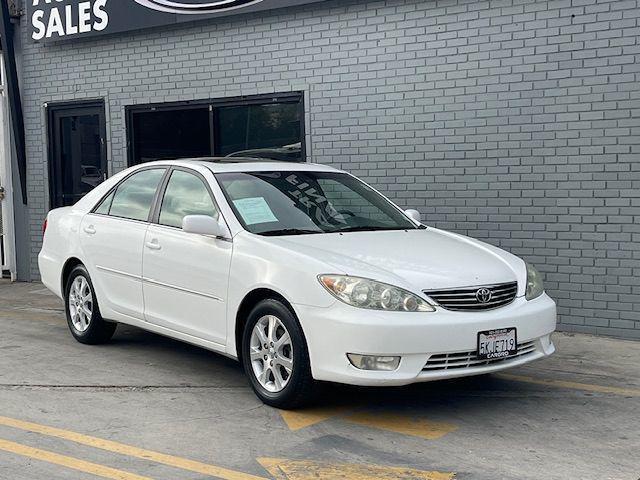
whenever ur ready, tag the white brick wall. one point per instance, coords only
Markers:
(514, 121)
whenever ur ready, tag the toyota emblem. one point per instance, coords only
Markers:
(484, 295)
(195, 7)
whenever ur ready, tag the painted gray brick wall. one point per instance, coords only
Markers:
(513, 121)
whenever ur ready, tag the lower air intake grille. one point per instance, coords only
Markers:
(450, 361)
(475, 298)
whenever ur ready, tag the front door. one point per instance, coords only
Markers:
(77, 149)
(186, 275)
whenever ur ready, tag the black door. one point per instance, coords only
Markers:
(77, 151)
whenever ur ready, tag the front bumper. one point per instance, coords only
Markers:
(420, 338)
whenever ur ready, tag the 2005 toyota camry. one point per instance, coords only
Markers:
(301, 271)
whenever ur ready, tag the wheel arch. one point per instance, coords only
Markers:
(249, 301)
(68, 267)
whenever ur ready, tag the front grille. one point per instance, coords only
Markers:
(466, 299)
(450, 361)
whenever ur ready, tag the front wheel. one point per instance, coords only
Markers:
(275, 356)
(83, 314)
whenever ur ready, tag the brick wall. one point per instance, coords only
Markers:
(513, 121)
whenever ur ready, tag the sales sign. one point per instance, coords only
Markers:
(52, 20)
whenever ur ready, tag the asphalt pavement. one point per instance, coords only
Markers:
(147, 407)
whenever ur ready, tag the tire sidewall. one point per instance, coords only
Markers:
(301, 367)
(81, 271)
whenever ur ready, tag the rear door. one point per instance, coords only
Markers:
(112, 238)
(186, 275)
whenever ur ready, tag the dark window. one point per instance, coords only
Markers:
(168, 134)
(185, 195)
(134, 196)
(266, 131)
(261, 127)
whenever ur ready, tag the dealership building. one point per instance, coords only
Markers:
(513, 121)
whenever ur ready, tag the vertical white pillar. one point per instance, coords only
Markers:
(7, 232)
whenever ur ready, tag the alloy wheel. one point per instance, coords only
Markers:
(271, 352)
(80, 304)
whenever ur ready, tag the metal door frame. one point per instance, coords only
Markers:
(56, 111)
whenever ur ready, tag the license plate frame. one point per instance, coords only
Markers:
(504, 338)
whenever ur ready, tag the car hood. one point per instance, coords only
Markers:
(422, 259)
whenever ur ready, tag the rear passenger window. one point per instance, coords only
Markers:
(185, 195)
(133, 197)
(105, 205)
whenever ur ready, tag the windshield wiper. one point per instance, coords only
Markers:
(302, 231)
(289, 231)
(367, 229)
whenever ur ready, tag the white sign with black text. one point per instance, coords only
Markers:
(71, 19)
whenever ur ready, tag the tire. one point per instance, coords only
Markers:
(83, 313)
(299, 384)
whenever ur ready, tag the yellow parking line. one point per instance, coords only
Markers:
(588, 387)
(402, 423)
(283, 469)
(68, 462)
(297, 419)
(131, 451)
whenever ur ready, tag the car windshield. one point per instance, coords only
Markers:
(296, 203)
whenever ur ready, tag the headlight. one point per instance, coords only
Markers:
(365, 293)
(535, 288)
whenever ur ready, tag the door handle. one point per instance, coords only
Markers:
(90, 229)
(153, 245)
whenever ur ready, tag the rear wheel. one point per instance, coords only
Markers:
(83, 314)
(275, 356)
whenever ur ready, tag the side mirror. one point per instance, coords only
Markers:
(204, 225)
(414, 215)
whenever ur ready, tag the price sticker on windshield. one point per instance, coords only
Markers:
(255, 210)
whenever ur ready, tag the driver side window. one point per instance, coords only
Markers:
(186, 194)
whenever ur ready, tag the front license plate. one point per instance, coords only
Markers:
(501, 343)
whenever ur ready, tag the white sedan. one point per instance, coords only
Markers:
(300, 271)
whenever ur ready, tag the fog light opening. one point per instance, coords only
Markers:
(374, 362)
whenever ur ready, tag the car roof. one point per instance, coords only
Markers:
(246, 164)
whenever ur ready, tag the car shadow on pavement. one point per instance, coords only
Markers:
(160, 349)
(205, 367)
